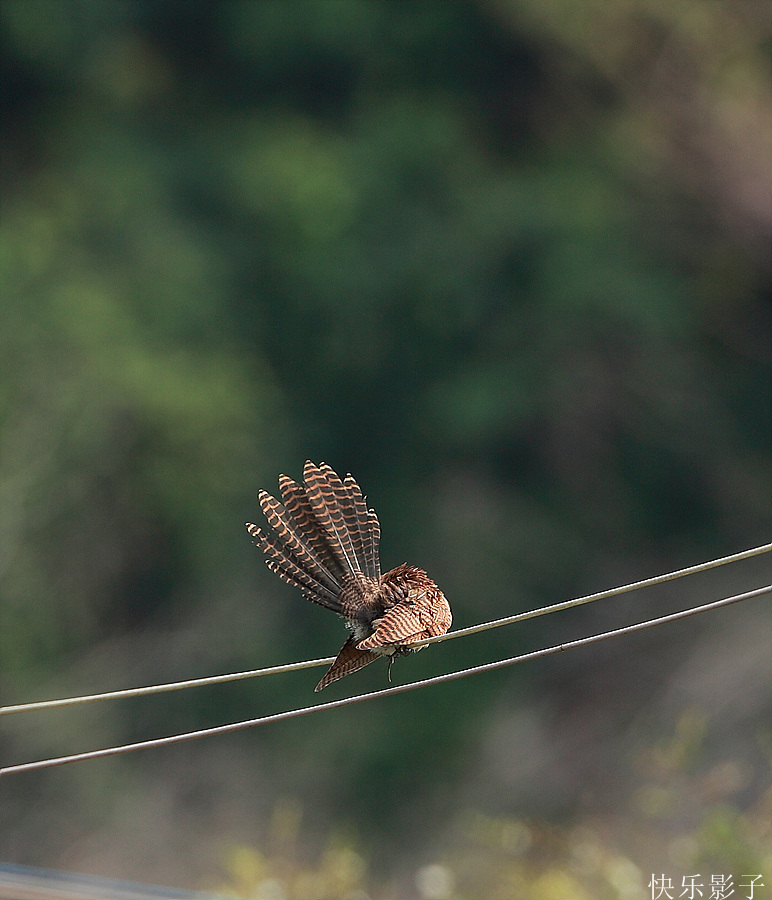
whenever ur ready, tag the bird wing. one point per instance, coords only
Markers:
(402, 624)
(347, 661)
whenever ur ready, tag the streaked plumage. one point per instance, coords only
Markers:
(325, 541)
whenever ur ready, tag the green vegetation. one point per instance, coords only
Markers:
(485, 857)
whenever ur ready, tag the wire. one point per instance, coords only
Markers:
(600, 595)
(387, 692)
(162, 688)
(460, 632)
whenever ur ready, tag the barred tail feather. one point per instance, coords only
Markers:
(374, 527)
(299, 508)
(346, 503)
(359, 525)
(288, 531)
(321, 490)
(280, 560)
(321, 533)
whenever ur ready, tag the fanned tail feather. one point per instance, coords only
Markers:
(348, 510)
(322, 533)
(279, 559)
(324, 488)
(360, 524)
(306, 524)
(375, 542)
(292, 535)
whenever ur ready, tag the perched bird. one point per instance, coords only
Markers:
(325, 542)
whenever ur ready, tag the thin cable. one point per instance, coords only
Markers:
(600, 595)
(162, 688)
(460, 632)
(387, 692)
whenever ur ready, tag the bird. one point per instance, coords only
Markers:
(325, 540)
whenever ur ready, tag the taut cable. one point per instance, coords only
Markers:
(387, 692)
(460, 632)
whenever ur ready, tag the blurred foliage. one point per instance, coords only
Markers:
(507, 262)
(487, 857)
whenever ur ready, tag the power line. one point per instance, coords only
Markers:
(600, 595)
(387, 692)
(162, 688)
(460, 632)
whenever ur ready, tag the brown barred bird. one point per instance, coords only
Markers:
(325, 542)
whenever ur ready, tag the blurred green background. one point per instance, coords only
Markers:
(506, 262)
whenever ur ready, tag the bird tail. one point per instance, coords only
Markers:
(322, 532)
